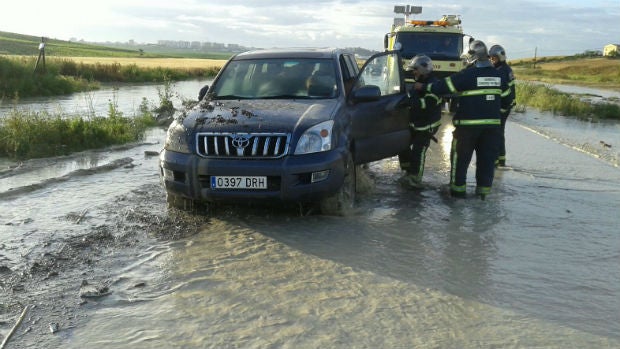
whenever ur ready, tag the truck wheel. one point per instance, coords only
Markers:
(342, 203)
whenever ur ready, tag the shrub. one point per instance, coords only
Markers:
(27, 134)
(546, 98)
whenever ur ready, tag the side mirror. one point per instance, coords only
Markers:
(366, 93)
(203, 92)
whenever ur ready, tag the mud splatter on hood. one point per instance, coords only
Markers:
(258, 115)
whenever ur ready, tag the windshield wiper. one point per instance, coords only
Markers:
(230, 97)
(284, 97)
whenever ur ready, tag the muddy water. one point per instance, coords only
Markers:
(593, 94)
(535, 265)
(125, 97)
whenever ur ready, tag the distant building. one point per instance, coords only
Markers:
(611, 50)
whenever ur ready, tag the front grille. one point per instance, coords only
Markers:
(243, 145)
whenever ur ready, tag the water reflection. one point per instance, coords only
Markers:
(445, 139)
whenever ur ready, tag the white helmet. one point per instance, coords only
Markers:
(477, 52)
(499, 52)
(423, 64)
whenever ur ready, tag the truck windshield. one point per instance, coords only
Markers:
(438, 46)
(277, 78)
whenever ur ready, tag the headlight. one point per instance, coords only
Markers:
(316, 139)
(176, 138)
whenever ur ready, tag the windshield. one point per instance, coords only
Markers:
(277, 78)
(446, 46)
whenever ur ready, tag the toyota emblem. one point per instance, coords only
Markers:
(240, 141)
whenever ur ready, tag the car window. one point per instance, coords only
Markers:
(382, 71)
(348, 67)
(277, 78)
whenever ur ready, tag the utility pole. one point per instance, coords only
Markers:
(41, 57)
(535, 52)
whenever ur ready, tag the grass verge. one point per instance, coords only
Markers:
(18, 77)
(545, 98)
(592, 72)
(28, 134)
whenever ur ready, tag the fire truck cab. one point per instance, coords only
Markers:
(442, 40)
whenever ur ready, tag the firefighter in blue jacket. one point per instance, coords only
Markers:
(497, 55)
(425, 119)
(477, 120)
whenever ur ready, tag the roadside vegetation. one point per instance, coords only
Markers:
(545, 98)
(589, 70)
(33, 134)
(598, 72)
(68, 67)
(19, 79)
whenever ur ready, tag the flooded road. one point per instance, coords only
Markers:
(537, 264)
(125, 97)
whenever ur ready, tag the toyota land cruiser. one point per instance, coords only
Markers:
(289, 125)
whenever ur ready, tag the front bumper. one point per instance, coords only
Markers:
(288, 178)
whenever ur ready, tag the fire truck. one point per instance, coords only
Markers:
(442, 40)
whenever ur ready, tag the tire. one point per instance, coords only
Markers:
(179, 202)
(343, 202)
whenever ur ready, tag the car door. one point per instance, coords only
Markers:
(379, 109)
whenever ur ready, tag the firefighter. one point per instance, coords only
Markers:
(424, 118)
(477, 120)
(497, 55)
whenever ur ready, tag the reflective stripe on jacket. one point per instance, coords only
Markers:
(481, 91)
(511, 94)
(425, 110)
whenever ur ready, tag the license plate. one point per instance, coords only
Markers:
(238, 182)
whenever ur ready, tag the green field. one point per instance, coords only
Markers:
(28, 45)
(72, 67)
(599, 72)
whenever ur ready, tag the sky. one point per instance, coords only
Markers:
(524, 28)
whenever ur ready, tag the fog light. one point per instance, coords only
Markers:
(168, 174)
(319, 176)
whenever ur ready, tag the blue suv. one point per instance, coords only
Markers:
(290, 125)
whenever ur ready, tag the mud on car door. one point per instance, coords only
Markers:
(380, 125)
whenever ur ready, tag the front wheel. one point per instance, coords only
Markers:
(179, 202)
(342, 203)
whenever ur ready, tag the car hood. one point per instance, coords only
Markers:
(259, 115)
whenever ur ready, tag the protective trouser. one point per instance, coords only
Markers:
(484, 140)
(420, 141)
(403, 159)
(501, 159)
